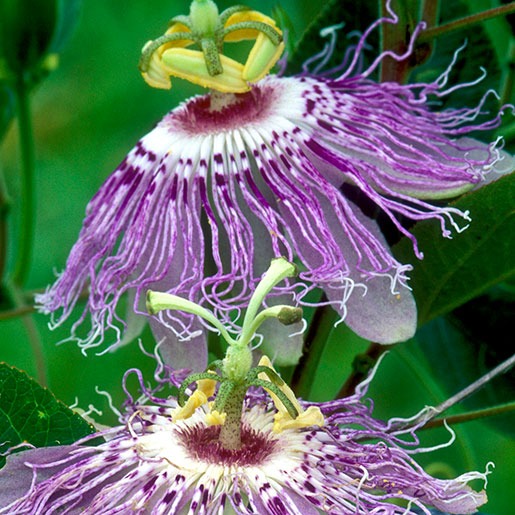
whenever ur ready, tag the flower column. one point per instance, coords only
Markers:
(237, 372)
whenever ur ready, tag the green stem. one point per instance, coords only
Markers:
(429, 12)
(410, 362)
(422, 376)
(4, 211)
(361, 367)
(317, 335)
(230, 432)
(36, 345)
(434, 32)
(395, 38)
(16, 312)
(471, 415)
(425, 417)
(28, 208)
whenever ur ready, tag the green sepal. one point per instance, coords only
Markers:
(68, 17)
(333, 13)
(284, 21)
(469, 341)
(24, 38)
(7, 110)
(457, 270)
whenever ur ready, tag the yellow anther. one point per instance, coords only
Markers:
(205, 389)
(191, 65)
(225, 74)
(262, 57)
(282, 419)
(197, 399)
(156, 75)
(207, 386)
(310, 417)
(178, 27)
(243, 34)
(264, 53)
(215, 418)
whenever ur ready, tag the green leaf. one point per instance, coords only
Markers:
(469, 342)
(68, 16)
(282, 19)
(457, 270)
(31, 413)
(355, 18)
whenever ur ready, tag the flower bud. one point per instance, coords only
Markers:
(31, 32)
(289, 315)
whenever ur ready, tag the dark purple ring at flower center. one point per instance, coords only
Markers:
(202, 443)
(197, 117)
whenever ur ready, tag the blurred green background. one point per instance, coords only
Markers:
(87, 115)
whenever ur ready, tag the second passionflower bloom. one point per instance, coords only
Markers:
(227, 181)
(153, 464)
(234, 450)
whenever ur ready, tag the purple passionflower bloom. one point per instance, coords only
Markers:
(153, 465)
(219, 187)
